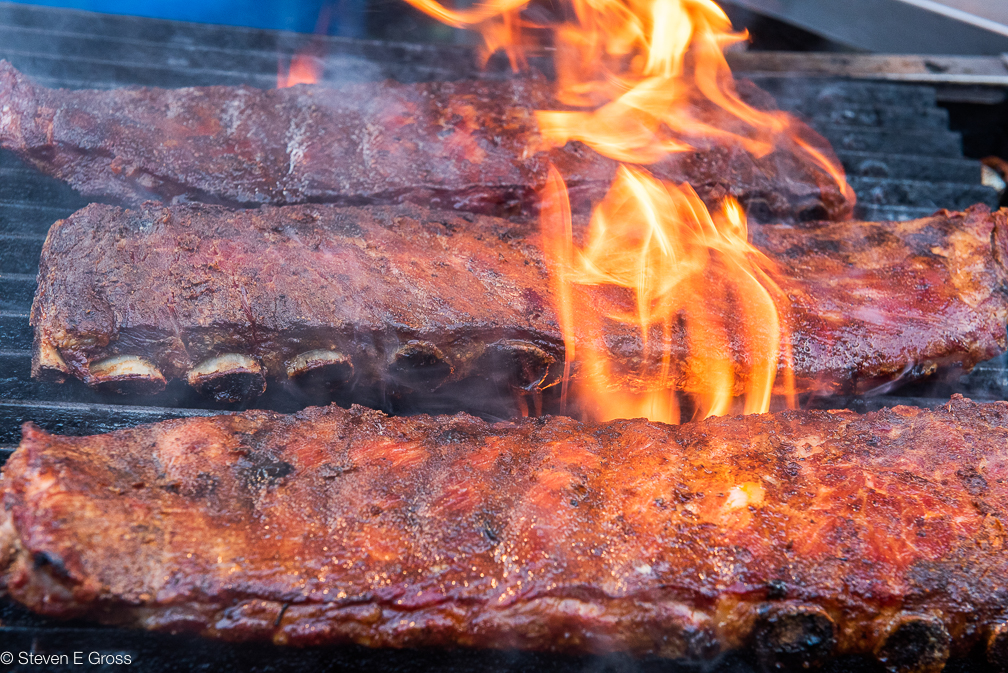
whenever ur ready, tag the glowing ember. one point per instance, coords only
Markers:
(639, 80)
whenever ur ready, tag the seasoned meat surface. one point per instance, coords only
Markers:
(412, 298)
(470, 145)
(882, 533)
(878, 302)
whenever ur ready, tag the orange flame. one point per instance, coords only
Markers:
(304, 69)
(654, 68)
(499, 22)
(677, 268)
(648, 70)
(640, 80)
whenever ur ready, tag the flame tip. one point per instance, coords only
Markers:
(637, 81)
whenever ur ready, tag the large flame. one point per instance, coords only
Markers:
(679, 268)
(640, 80)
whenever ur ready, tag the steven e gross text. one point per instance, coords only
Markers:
(76, 658)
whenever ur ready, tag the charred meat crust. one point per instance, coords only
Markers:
(470, 145)
(411, 297)
(815, 533)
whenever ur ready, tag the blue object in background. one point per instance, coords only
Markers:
(332, 17)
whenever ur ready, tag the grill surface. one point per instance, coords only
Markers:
(893, 139)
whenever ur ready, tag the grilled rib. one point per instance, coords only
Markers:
(810, 534)
(471, 145)
(407, 298)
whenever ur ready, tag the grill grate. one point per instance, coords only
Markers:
(893, 139)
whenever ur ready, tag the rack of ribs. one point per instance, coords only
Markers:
(803, 534)
(469, 145)
(410, 299)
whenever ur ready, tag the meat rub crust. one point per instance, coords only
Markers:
(469, 145)
(337, 526)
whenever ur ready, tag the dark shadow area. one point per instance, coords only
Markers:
(984, 129)
(26, 633)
